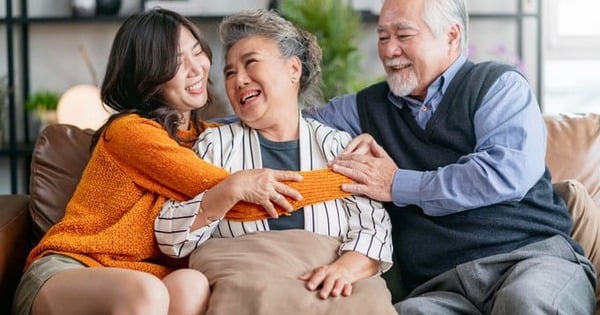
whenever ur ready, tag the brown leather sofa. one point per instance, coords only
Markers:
(61, 152)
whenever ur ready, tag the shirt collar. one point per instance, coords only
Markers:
(440, 84)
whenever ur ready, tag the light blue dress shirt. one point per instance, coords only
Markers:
(508, 158)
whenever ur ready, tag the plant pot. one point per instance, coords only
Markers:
(46, 117)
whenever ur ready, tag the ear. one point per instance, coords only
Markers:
(295, 68)
(454, 35)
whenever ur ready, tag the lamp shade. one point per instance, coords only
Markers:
(81, 106)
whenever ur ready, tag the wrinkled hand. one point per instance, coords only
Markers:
(333, 281)
(360, 144)
(264, 187)
(372, 175)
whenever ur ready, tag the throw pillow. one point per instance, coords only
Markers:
(258, 274)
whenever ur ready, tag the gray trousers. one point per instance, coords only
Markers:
(547, 277)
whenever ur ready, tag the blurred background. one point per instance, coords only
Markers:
(48, 47)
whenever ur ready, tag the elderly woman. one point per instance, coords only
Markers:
(272, 69)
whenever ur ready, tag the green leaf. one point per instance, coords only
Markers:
(336, 26)
(42, 100)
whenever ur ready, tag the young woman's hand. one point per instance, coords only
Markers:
(264, 187)
(259, 186)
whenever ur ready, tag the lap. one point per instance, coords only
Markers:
(544, 285)
(542, 278)
(437, 302)
(57, 284)
(36, 276)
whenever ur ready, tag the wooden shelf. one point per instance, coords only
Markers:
(96, 19)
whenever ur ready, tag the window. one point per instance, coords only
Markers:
(572, 56)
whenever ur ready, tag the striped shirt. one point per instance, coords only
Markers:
(361, 224)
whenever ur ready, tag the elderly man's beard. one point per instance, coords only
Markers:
(402, 85)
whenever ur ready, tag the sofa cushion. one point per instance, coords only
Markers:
(586, 221)
(60, 154)
(258, 274)
(14, 245)
(573, 150)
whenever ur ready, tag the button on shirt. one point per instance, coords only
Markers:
(422, 111)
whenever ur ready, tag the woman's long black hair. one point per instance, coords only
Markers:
(142, 58)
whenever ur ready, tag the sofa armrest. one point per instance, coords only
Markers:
(15, 231)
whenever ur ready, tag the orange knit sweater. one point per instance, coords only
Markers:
(133, 170)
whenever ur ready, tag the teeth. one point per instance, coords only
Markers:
(248, 96)
(194, 87)
(396, 64)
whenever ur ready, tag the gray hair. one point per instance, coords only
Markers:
(291, 40)
(440, 15)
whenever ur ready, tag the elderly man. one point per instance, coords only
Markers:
(477, 227)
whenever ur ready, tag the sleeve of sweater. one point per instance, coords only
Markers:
(172, 227)
(144, 150)
(158, 163)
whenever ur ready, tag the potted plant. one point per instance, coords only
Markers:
(336, 26)
(43, 104)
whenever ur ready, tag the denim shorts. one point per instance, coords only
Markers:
(36, 275)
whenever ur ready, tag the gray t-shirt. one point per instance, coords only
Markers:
(284, 155)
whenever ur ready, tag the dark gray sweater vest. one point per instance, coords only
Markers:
(426, 246)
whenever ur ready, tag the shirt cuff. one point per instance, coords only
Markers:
(406, 188)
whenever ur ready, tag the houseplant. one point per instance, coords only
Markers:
(43, 104)
(336, 26)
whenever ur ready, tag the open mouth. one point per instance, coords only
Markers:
(246, 97)
(398, 66)
(194, 88)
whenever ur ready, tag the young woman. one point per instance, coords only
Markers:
(156, 81)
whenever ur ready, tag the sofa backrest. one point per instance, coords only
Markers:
(62, 151)
(573, 150)
(58, 159)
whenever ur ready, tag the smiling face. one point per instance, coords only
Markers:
(262, 87)
(187, 90)
(413, 57)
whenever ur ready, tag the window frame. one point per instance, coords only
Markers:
(559, 46)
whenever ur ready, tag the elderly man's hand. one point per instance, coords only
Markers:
(372, 175)
(361, 144)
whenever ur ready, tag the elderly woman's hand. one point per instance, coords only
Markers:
(337, 278)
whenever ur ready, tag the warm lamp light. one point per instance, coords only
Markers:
(81, 106)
